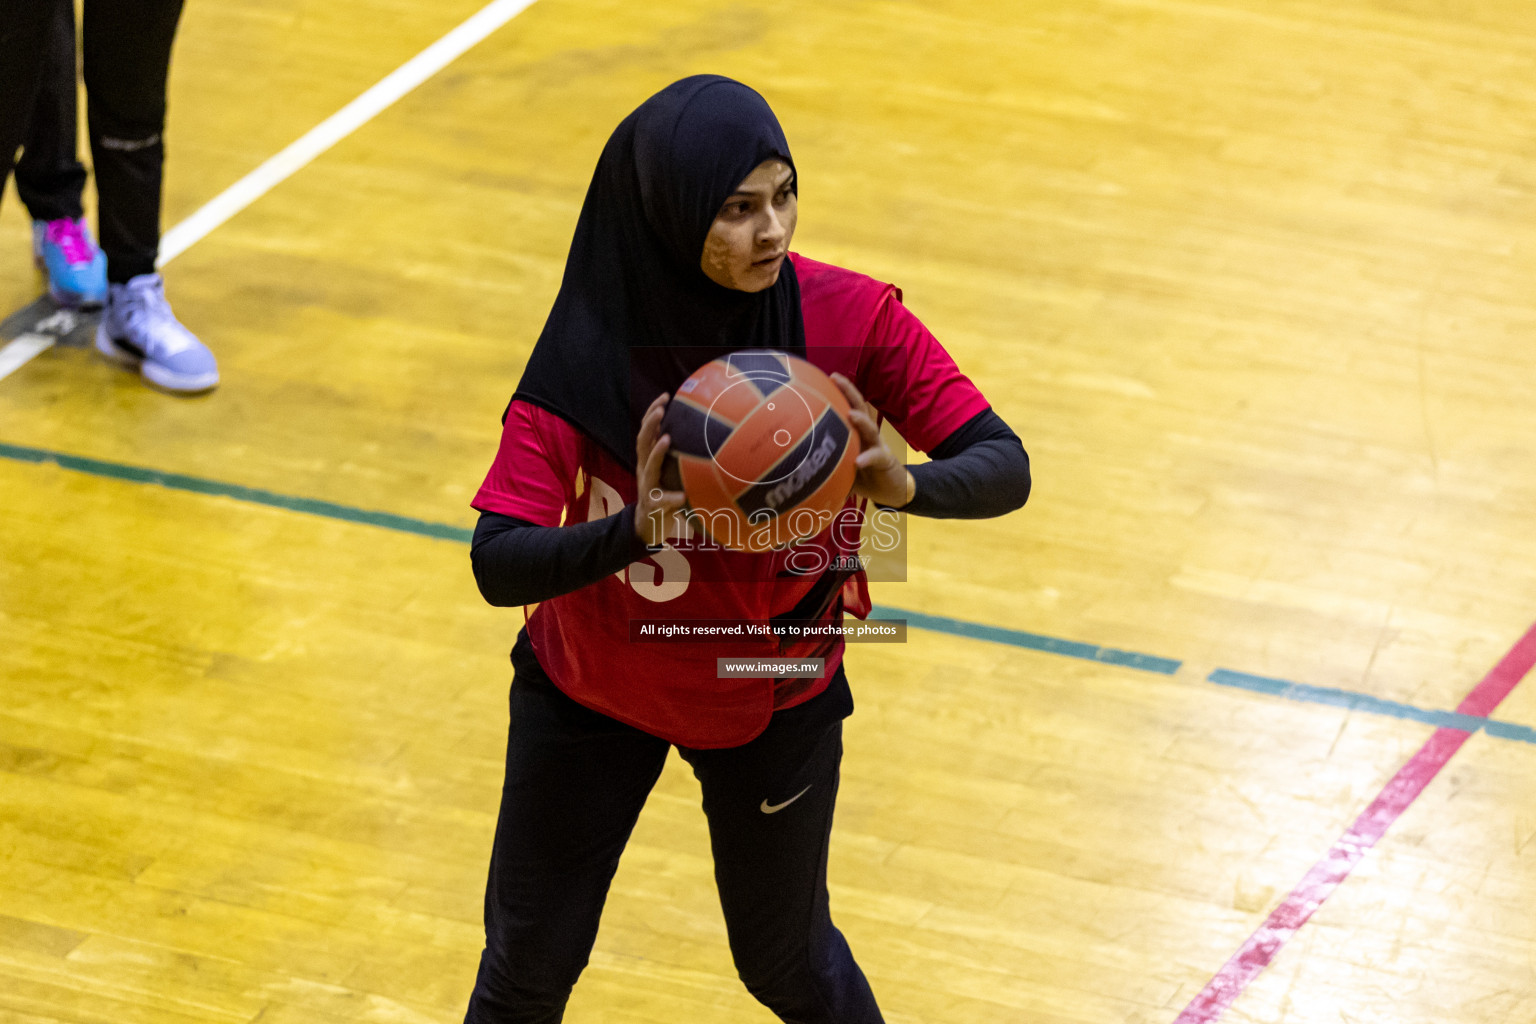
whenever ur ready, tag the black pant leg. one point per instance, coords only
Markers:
(770, 805)
(23, 35)
(127, 51)
(576, 781)
(49, 175)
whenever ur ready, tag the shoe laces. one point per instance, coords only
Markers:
(69, 235)
(143, 308)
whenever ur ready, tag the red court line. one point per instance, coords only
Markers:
(1327, 874)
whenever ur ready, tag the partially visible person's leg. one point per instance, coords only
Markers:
(23, 30)
(127, 50)
(51, 179)
(576, 781)
(49, 176)
(770, 807)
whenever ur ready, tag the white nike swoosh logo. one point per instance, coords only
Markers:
(768, 808)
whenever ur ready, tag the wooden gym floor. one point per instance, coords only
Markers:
(1251, 278)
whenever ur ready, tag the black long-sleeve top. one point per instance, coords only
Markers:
(979, 471)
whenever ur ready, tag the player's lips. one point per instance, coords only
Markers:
(770, 261)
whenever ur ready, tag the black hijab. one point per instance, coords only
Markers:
(636, 314)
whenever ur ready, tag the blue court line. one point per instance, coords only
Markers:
(1031, 641)
(1305, 694)
(254, 495)
(1282, 688)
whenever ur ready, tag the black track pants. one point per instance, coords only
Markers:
(49, 175)
(127, 55)
(127, 59)
(23, 36)
(576, 781)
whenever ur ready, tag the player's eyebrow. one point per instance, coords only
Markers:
(750, 193)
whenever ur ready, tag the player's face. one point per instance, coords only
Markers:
(749, 240)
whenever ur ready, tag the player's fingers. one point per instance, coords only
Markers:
(868, 432)
(644, 441)
(648, 468)
(850, 392)
(878, 458)
(658, 456)
(650, 423)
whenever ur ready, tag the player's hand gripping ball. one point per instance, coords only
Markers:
(763, 448)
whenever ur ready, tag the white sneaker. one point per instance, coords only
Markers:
(139, 330)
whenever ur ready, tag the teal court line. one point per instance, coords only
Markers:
(1031, 641)
(1371, 705)
(253, 495)
(1281, 688)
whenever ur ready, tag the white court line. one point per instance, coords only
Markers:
(22, 350)
(338, 126)
(307, 147)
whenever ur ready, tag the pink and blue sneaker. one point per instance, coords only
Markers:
(139, 331)
(75, 265)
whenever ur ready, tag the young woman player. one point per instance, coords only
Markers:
(681, 254)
